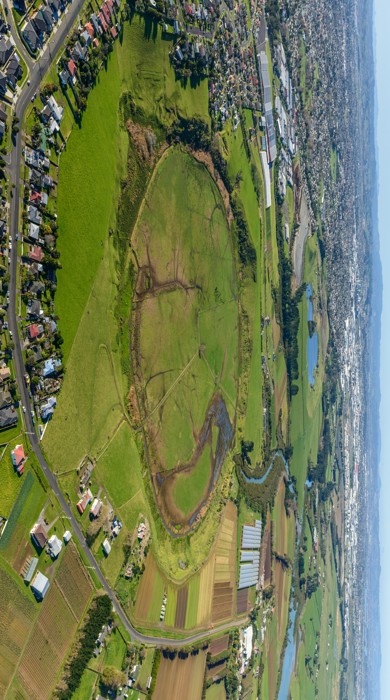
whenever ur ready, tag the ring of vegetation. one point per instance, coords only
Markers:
(184, 337)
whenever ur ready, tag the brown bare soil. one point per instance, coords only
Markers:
(45, 651)
(180, 679)
(144, 592)
(144, 141)
(217, 646)
(242, 601)
(181, 607)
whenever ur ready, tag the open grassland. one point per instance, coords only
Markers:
(186, 306)
(181, 678)
(11, 482)
(320, 625)
(306, 406)
(17, 613)
(216, 692)
(15, 541)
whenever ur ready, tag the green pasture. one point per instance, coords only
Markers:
(192, 601)
(189, 488)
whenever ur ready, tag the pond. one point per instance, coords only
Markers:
(312, 342)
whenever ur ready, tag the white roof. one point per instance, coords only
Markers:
(67, 536)
(55, 545)
(106, 546)
(40, 584)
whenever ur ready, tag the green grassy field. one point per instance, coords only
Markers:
(30, 501)
(181, 239)
(11, 482)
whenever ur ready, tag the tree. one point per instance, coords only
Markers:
(111, 678)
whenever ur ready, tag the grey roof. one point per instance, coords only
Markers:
(8, 417)
(31, 569)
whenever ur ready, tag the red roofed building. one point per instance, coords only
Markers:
(33, 331)
(103, 21)
(90, 29)
(114, 33)
(35, 197)
(83, 502)
(110, 5)
(72, 68)
(36, 254)
(18, 458)
(107, 13)
(95, 42)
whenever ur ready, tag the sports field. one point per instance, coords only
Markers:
(185, 307)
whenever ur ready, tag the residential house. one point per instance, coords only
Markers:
(39, 24)
(64, 77)
(56, 110)
(95, 24)
(72, 68)
(3, 113)
(114, 33)
(86, 37)
(5, 398)
(40, 585)
(45, 114)
(8, 417)
(106, 547)
(55, 7)
(5, 373)
(46, 181)
(3, 83)
(103, 21)
(18, 458)
(34, 215)
(39, 535)
(48, 17)
(34, 331)
(33, 232)
(34, 308)
(37, 288)
(79, 53)
(6, 49)
(31, 157)
(55, 546)
(89, 28)
(3, 228)
(47, 409)
(83, 502)
(51, 366)
(31, 37)
(95, 508)
(36, 254)
(14, 71)
(2, 129)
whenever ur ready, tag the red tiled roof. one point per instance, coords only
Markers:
(103, 21)
(72, 68)
(33, 331)
(36, 254)
(19, 456)
(90, 29)
(114, 33)
(106, 13)
(35, 196)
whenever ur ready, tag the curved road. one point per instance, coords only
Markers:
(37, 71)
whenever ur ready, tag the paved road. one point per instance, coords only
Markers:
(37, 72)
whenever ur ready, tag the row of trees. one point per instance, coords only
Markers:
(97, 616)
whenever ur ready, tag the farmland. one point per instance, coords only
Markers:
(207, 597)
(181, 678)
(185, 295)
(54, 628)
(17, 613)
